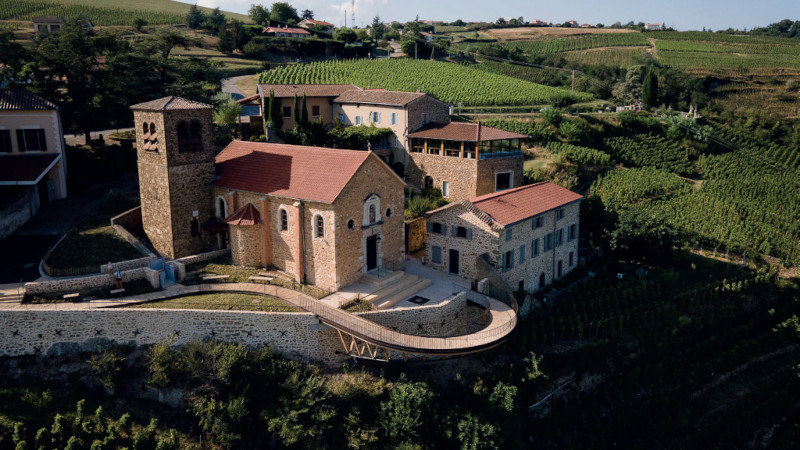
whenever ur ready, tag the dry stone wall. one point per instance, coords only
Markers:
(86, 284)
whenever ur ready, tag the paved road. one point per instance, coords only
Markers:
(397, 51)
(229, 86)
(21, 252)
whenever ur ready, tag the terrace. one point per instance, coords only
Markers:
(466, 141)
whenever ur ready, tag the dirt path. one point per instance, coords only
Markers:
(652, 48)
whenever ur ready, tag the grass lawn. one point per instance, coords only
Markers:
(248, 85)
(223, 302)
(93, 242)
(359, 306)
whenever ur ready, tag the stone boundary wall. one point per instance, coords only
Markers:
(130, 219)
(186, 260)
(448, 318)
(17, 214)
(85, 284)
(298, 336)
(128, 265)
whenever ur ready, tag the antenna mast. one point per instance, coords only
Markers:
(353, 9)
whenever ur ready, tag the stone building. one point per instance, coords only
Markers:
(319, 100)
(525, 237)
(464, 160)
(325, 216)
(175, 154)
(33, 169)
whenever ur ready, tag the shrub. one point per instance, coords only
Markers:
(551, 116)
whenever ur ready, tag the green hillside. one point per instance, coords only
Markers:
(102, 12)
(451, 83)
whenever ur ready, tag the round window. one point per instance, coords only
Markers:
(388, 213)
(351, 224)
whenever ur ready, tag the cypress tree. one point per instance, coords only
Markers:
(275, 113)
(650, 90)
(304, 114)
(297, 117)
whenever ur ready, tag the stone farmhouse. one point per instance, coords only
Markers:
(462, 160)
(324, 216)
(523, 238)
(32, 161)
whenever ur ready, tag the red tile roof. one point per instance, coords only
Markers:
(311, 90)
(250, 100)
(23, 100)
(170, 103)
(294, 171)
(317, 22)
(289, 30)
(461, 131)
(247, 215)
(379, 97)
(515, 205)
(24, 168)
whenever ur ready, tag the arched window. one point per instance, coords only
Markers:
(152, 129)
(183, 137)
(151, 138)
(196, 136)
(221, 208)
(351, 224)
(319, 226)
(373, 215)
(388, 213)
(283, 220)
(372, 210)
(145, 130)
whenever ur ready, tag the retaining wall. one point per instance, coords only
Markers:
(295, 335)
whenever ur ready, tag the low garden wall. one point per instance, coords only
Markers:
(89, 283)
(202, 257)
(449, 318)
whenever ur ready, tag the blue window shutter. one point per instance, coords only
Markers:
(521, 254)
(453, 230)
(444, 230)
(430, 227)
(469, 234)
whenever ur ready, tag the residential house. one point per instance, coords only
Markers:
(464, 160)
(32, 161)
(319, 99)
(44, 25)
(326, 216)
(401, 112)
(321, 25)
(523, 238)
(572, 23)
(286, 31)
(652, 27)
(538, 23)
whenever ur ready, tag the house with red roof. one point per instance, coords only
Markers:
(32, 161)
(522, 238)
(286, 31)
(325, 216)
(321, 25)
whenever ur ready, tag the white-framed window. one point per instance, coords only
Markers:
(394, 118)
(283, 219)
(503, 181)
(375, 117)
(357, 120)
(445, 188)
(319, 226)
(372, 210)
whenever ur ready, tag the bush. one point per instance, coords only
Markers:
(254, 48)
(552, 116)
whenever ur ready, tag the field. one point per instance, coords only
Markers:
(102, 12)
(451, 83)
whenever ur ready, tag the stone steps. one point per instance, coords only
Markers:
(11, 298)
(380, 282)
(403, 294)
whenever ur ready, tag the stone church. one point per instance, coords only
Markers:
(324, 216)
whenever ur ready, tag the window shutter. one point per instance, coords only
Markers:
(469, 234)
(453, 230)
(430, 227)
(42, 141)
(21, 141)
(444, 230)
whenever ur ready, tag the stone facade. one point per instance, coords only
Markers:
(174, 185)
(295, 335)
(338, 257)
(467, 178)
(525, 272)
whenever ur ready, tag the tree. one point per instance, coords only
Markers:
(226, 113)
(641, 233)
(650, 89)
(378, 29)
(215, 19)
(283, 12)
(259, 14)
(275, 113)
(226, 43)
(195, 17)
(307, 14)
(345, 34)
(160, 45)
(12, 54)
(139, 23)
(297, 115)
(304, 114)
(402, 415)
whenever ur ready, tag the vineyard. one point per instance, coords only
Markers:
(545, 47)
(615, 57)
(649, 150)
(451, 83)
(582, 156)
(101, 12)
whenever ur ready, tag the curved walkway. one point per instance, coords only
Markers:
(503, 318)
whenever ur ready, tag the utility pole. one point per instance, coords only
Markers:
(573, 81)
